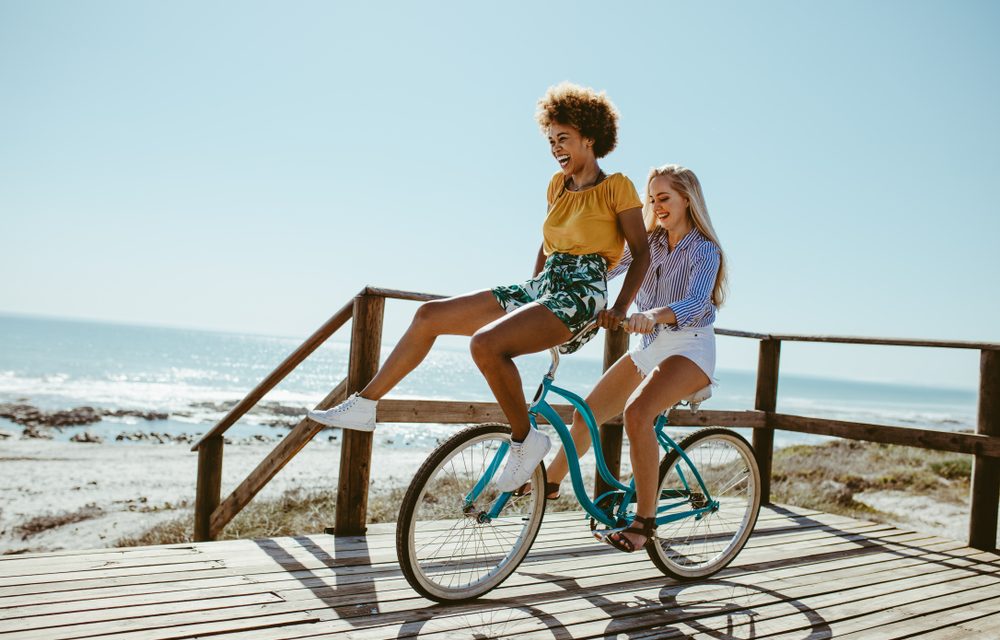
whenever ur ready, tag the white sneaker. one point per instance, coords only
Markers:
(354, 413)
(522, 459)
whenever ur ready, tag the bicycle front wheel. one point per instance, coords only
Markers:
(449, 545)
(699, 545)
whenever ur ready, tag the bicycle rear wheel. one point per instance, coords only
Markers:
(448, 547)
(700, 545)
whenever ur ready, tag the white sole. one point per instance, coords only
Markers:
(353, 427)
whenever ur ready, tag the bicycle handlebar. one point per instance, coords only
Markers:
(554, 351)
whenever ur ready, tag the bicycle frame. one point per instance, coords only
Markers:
(539, 407)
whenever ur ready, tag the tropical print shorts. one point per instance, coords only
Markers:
(575, 288)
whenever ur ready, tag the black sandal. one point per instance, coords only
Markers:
(617, 539)
(550, 488)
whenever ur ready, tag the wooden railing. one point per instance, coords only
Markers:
(212, 513)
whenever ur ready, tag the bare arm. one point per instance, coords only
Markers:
(539, 261)
(696, 301)
(635, 236)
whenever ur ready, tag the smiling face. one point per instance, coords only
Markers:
(669, 207)
(571, 150)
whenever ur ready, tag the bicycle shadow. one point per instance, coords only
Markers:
(492, 618)
(679, 610)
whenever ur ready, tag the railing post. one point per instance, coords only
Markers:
(615, 346)
(766, 400)
(209, 488)
(985, 470)
(356, 449)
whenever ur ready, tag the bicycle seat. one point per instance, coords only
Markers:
(696, 398)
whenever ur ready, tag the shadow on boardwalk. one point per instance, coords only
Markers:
(803, 575)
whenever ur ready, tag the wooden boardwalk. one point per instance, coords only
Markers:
(803, 575)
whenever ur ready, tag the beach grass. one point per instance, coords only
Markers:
(834, 476)
(296, 512)
(831, 477)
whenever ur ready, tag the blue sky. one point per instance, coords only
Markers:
(250, 166)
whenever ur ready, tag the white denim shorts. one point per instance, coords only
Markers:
(697, 344)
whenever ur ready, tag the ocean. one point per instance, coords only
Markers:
(193, 376)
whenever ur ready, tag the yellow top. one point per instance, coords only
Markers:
(582, 222)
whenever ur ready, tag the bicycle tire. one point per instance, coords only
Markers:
(698, 547)
(446, 552)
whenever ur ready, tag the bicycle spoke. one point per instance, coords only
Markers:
(700, 544)
(452, 550)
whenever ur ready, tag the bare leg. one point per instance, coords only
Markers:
(530, 329)
(676, 378)
(606, 401)
(461, 315)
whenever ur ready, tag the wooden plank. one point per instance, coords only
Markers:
(35, 624)
(462, 412)
(20, 583)
(82, 595)
(975, 443)
(894, 342)
(356, 449)
(110, 554)
(287, 366)
(985, 492)
(766, 400)
(298, 437)
(904, 609)
(919, 617)
(57, 566)
(402, 295)
(185, 624)
(980, 628)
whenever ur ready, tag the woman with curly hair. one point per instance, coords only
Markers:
(677, 304)
(591, 216)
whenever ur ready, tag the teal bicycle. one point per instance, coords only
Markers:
(458, 536)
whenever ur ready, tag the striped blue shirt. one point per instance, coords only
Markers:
(682, 279)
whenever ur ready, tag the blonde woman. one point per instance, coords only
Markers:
(591, 217)
(677, 303)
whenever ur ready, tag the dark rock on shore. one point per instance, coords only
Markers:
(135, 413)
(87, 436)
(34, 432)
(222, 407)
(155, 438)
(31, 416)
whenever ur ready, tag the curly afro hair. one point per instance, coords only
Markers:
(589, 111)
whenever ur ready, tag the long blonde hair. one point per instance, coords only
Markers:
(684, 182)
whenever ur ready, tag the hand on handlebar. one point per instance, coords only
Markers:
(610, 319)
(643, 322)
